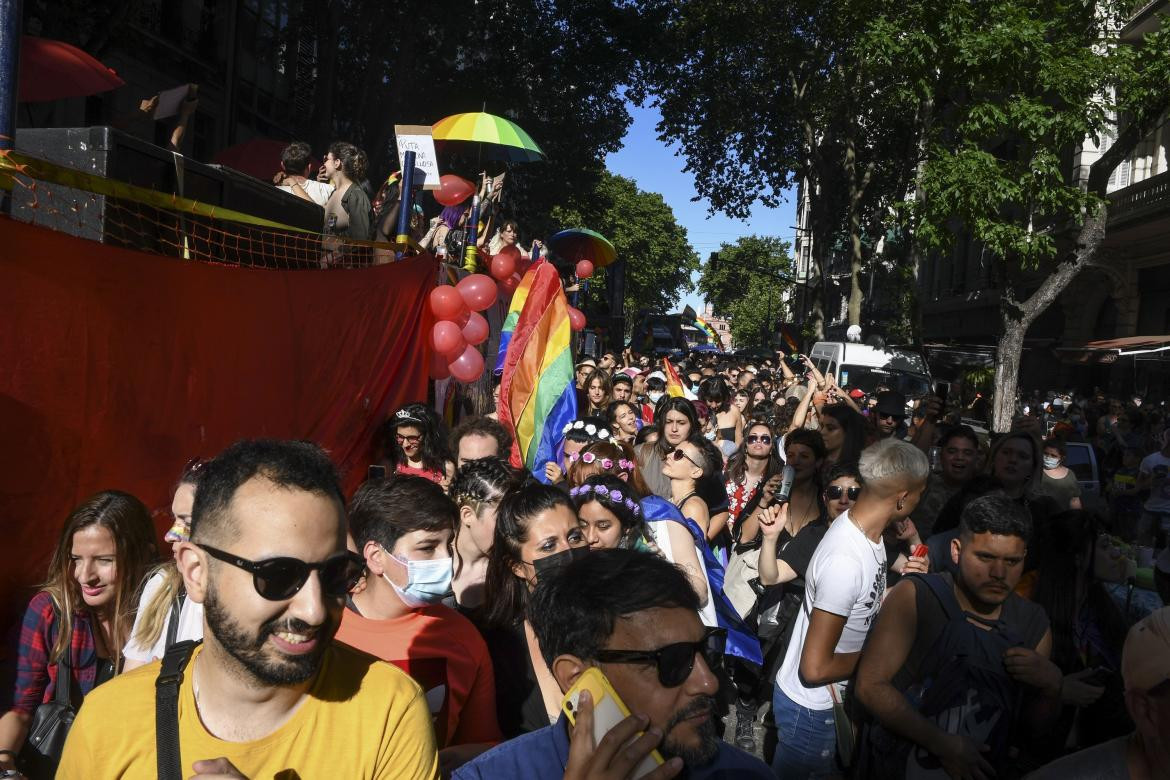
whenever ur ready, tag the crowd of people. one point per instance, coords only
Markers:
(874, 586)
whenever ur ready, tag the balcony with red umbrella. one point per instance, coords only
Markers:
(55, 70)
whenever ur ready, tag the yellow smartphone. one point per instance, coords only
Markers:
(608, 711)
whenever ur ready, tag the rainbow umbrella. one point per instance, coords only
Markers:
(583, 244)
(506, 140)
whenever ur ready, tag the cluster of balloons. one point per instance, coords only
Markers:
(460, 328)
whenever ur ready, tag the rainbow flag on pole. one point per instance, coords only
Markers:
(538, 396)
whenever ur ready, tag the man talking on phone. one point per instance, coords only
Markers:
(634, 617)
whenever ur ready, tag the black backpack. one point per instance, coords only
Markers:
(962, 687)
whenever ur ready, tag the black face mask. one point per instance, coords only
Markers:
(550, 564)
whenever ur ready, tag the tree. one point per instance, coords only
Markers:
(1026, 91)
(654, 246)
(762, 95)
(746, 282)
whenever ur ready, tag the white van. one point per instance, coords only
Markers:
(867, 368)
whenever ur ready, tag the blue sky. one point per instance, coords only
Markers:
(654, 166)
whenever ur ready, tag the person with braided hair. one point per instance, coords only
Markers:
(478, 487)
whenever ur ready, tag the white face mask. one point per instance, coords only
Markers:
(427, 582)
(709, 435)
(654, 395)
(1051, 462)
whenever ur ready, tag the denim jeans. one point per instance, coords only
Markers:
(806, 746)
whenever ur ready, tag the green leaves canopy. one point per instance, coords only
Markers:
(744, 281)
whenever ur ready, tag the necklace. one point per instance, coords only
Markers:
(872, 552)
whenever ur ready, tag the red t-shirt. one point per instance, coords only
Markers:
(445, 654)
(434, 476)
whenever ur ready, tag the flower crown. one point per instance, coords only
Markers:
(615, 496)
(589, 428)
(606, 463)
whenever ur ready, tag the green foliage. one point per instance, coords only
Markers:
(744, 282)
(658, 255)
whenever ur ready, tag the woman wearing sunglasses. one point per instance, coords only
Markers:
(684, 467)
(74, 629)
(537, 532)
(417, 445)
(165, 614)
(752, 473)
(843, 489)
(609, 513)
(477, 490)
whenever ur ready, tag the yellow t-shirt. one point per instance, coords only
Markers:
(363, 718)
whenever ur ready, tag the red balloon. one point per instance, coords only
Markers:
(453, 189)
(476, 329)
(503, 266)
(447, 303)
(512, 251)
(511, 283)
(584, 269)
(439, 369)
(447, 338)
(576, 319)
(468, 366)
(478, 291)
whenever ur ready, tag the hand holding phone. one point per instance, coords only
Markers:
(606, 740)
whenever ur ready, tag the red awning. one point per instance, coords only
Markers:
(1109, 350)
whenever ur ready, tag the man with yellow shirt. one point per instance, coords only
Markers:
(268, 694)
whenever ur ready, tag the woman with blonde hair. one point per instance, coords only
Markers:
(81, 617)
(165, 614)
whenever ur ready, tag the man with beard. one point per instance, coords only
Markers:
(623, 386)
(268, 693)
(890, 415)
(635, 617)
(951, 660)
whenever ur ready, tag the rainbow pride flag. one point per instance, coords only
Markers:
(514, 309)
(538, 396)
(712, 337)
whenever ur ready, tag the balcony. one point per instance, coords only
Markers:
(1147, 198)
(1146, 18)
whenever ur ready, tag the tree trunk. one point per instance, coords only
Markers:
(856, 193)
(1009, 351)
(1016, 318)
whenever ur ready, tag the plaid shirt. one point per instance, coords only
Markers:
(35, 679)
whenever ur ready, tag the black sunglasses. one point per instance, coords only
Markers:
(885, 416)
(278, 579)
(833, 492)
(762, 439)
(676, 661)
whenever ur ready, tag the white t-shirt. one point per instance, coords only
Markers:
(1157, 466)
(847, 577)
(659, 532)
(319, 191)
(190, 624)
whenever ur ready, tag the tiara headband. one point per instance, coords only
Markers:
(589, 428)
(403, 416)
(615, 496)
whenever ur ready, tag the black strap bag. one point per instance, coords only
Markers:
(50, 723)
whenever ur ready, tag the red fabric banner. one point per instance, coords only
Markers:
(117, 367)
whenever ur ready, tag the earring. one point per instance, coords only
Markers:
(899, 505)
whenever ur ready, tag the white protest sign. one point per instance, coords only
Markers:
(417, 139)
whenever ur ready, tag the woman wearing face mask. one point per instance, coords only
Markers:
(728, 420)
(1059, 482)
(73, 631)
(404, 527)
(477, 490)
(165, 614)
(537, 532)
(609, 513)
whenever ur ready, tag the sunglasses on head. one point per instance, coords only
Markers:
(278, 579)
(675, 661)
(762, 438)
(833, 492)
